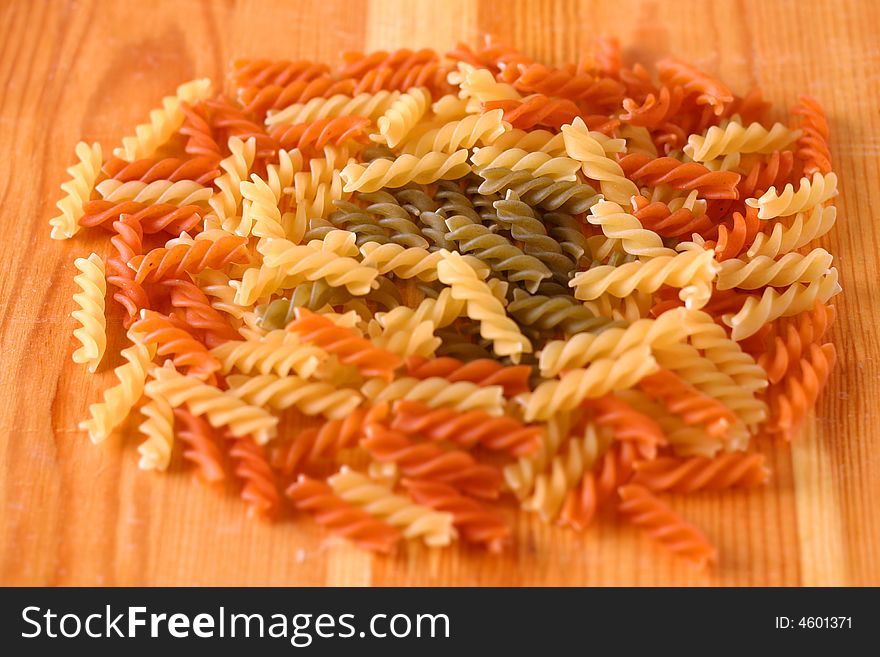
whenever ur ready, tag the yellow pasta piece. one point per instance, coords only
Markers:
(92, 333)
(77, 190)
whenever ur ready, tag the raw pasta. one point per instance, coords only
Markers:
(394, 291)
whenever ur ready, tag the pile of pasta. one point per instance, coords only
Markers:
(404, 292)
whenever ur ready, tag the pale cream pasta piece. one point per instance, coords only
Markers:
(601, 377)
(669, 328)
(690, 271)
(226, 201)
(618, 224)
(478, 86)
(428, 168)
(92, 332)
(737, 138)
(638, 139)
(180, 193)
(281, 392)
(105, 416)
(158, 427)
(404, 332)
(261, 209)
(436, 392)
(402, 116)
(221, 409)
(467, 285)
(802, 230)
(810, 193)
(164, 122)
(702, 373)
(533, 141)
(366, 104)
(435, 528)
(77, 190)
(516, 159)
(475, 129)
(764, 271)
(403, 262)
(520, 476)
(584, 147)
(774, 304)
(278, 352)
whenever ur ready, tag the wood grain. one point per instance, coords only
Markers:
(71, 513)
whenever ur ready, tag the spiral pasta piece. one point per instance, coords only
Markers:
(680, 175)
(312, 138)
(790, 402)
(475, 522)
(466, 428)
(158, 428)
(667, 222)
(226, 201)
(345, 343)
(259, 489)
(467, 132)
(559, 312)
(542, 141)
(105, 416)
(535, 110)
(644, 510)
(682, 399)
(182, 259)
(437, 391)
(201, 447)
(403, 114)
(773, 304)
(90, 312)
(618, 224)
(403, 262)
(763, 271)
(788, 340)
(669, 328)
(516, 159)
(812, 146)
(543, 191)
(810, 193)
(163, 122)
(173, 339)
(601, 377)
(369, 105)
(466, 285)
(699, 473)
(77, 190)
(415, 521)
(802, 231)
(428, 168)
(583, 147)
(340, 517)
(709, 91)
(220, 408)
(310, 397)
(485, 372)
(429, 462)
(737, 138)
(180, 193)
(278, 352)
(690, 271)
(152, 218)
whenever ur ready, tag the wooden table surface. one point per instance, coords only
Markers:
(75, 514)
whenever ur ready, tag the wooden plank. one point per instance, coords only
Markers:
(72, 513)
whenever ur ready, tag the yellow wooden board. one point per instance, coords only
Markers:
(72, 513)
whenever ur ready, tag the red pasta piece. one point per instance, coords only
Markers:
(264, 72)
(726, 470)
(199, 169)
(775, 172)
(654, 111)
(201, 446)
(792, 398)
(536, 111)
(430, 462)
(128, 242)
(708, 90)
(627, 423)
(595, 92)
(466, 428)
(658, 217)
(172, 339)
(641, 508)
(483, 371)
(198, 313)
(258, 100)
(680, 175)
(475, 522)
(340, 517)
(789, 338)
(232, 121)
(598, 486)
(193, 258)
(732, 241)
(313, 137)
(152, 218)
(812, 146)
(202, 138)
(692, 406)
(349, 347)
(259, 489)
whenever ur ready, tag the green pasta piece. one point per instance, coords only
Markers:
(551, 313)
(543, 192)
(394, 219)
(496, 251)
(566, 230)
